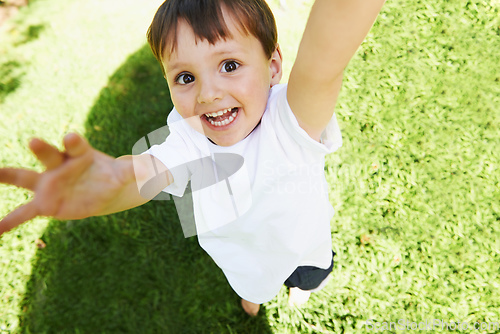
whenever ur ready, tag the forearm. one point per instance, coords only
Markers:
(147, 177)
(334, 31)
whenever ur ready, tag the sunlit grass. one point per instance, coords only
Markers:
(415, 186)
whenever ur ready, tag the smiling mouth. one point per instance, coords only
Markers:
(222, 117)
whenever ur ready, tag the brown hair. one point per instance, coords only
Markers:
(206, 19)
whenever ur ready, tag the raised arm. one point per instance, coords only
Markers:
(334, 31)
(82, 182)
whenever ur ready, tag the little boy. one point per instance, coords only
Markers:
(269, 222)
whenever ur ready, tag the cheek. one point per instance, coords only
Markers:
(181, 103)
(257, 88)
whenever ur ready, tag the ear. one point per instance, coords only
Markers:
(275, 66)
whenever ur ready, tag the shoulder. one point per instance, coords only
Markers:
(283, 122)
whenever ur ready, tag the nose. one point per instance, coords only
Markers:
(210, 91)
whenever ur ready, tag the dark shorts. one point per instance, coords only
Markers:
(308, 277)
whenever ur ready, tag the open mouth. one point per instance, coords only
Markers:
(222, 118)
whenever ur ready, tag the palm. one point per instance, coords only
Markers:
(77, 189)
(77, 183)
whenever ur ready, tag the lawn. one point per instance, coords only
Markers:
(415, 187)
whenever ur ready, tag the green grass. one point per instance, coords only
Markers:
(415, 186)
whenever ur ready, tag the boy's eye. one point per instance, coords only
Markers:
(230, 66)
(184, 78)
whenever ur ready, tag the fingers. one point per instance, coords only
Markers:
(18, 216)
(51, 157)
(19, 177)
(75, 145)
(46, 153)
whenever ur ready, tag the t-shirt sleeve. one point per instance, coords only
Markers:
(331, 139)
(173, 154)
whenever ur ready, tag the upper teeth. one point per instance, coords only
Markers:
(218, 113)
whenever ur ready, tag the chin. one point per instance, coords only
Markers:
(225, 142)
(228, 139)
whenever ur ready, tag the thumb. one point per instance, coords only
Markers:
(18, 216)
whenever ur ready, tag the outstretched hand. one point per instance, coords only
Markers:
(77, 183)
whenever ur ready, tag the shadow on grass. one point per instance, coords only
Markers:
(30, 34)
(131, 272)
(10, 78)
(11, 71)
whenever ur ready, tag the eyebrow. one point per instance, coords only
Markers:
(177, 65)
(174, 67)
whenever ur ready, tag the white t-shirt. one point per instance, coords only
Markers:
(269, 212)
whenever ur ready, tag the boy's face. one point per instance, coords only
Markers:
(225, 85)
